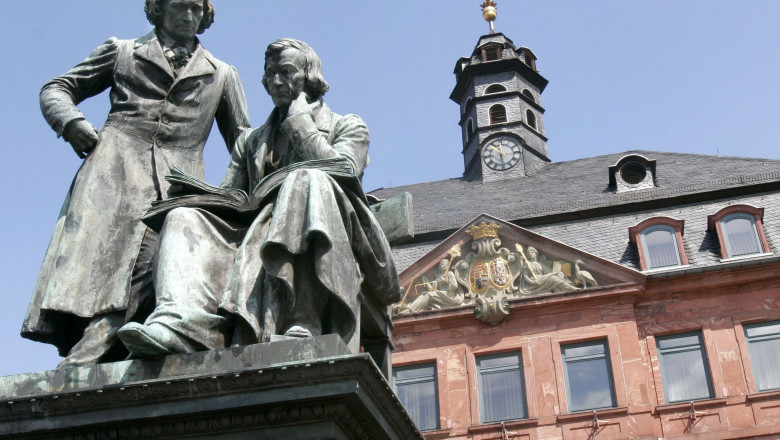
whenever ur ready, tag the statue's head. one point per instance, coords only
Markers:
(292, 66)
(444, 264)
(173, 16)
(532, 253)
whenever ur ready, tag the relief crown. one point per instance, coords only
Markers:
(484, 230)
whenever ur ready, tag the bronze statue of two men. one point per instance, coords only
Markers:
(206, 281)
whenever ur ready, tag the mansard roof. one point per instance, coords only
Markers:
(571, 190)
(573, 202)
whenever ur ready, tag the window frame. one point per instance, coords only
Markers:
(491, 115)
(530, 117)
(667, 328)
(433, 378)
(521, 371)
(636, 236)
(494, 88)
(748, 341)
(489, 49)
(705, 358)
(715, 222)
(610, 373)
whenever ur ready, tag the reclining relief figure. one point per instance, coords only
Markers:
(166, 90)
(297, 267)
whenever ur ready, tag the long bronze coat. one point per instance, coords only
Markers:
(157, 119)
(247, 272)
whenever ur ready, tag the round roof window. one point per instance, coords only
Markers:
(633, 172)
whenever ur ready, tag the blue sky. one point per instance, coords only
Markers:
(694, 76)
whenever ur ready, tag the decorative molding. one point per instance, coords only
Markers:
(487, 278)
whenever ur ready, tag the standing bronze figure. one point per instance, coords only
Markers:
(165, 91)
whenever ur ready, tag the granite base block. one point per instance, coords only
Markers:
(294, 389)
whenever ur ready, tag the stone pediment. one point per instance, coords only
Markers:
(489, 261)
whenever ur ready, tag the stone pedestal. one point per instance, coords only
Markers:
(299, 389)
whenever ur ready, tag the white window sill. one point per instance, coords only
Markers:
(746, 257)
(666, 269)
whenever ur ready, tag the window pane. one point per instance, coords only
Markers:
(588, 376)
(502, 361)
(684, 367)
(501, 389)
(741, 236)
(764, 350)
(763, 329)
(677, 341)
(661, 248)
(583, 350)
(416, 371)
(416, 388)
(502, 396)
(590, 386)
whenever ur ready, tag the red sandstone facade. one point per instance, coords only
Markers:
(629, 316)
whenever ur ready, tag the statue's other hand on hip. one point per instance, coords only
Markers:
(82, 136)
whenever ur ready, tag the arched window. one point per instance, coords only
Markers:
(740, 230)
(497, 114)
(739, 233)
(531, 118)
(467, 105)
(659, 242)
(527, 93)
(495, 88)
(470, 129)
(660, 247)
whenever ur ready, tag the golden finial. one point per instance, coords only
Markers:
(483, 230)
(489, 13)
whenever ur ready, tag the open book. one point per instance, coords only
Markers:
(234, 202)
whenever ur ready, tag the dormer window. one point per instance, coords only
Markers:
(740, 231)
(497, 114)
(491, 53)
(528, 57)
(531, 118)
(659, 243)
(495, 88)
(632, 173)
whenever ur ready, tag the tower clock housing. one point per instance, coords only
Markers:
(502, 118)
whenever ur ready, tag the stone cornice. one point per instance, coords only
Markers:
(322, 389)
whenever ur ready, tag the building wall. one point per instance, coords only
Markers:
(629, 318)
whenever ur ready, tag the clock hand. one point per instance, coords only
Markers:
(498, 150)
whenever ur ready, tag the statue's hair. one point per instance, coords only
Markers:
(315, 85)
(154, 13)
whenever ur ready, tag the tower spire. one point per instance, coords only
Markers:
(489, 13)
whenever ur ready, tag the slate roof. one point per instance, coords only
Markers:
(572, 202)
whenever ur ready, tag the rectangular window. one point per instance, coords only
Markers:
(684, 369)
(501, 387)
(588, 376)
(416, 388)
(763, 342)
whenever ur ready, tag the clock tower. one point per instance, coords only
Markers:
(502, 119)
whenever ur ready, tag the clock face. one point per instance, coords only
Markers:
(501, 153)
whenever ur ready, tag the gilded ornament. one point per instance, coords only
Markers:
(484, 230)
